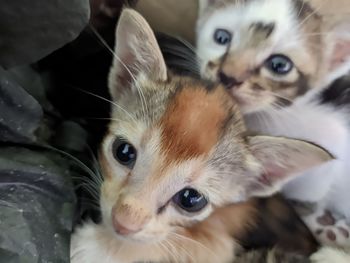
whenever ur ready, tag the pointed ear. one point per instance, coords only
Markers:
(337, 42)
(281, 159)
(204, 4)
(136, 52)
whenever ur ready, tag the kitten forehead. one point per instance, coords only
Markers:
(193, 122)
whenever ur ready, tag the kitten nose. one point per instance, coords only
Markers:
(124, 230)
(229, 82)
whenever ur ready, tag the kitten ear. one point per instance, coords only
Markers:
(136, 51)
(204, 4)
(281, 160)
(338, 51)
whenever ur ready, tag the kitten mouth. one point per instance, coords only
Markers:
(229, 83)
(131, 239)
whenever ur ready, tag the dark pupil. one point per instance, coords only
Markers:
(190, 200)
(126, 153)
(280, 65)
(222, 37)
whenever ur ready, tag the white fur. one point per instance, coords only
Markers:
(330, 255)
(321, 124)
(96, 244)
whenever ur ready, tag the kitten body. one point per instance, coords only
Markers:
(174, 160)
(278, 64)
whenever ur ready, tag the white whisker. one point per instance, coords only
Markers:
(139, 89)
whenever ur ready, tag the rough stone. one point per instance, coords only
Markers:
(30, 30)
(20, 113)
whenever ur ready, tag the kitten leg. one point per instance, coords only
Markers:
(329, 229)
(328, 255)
(335, 235)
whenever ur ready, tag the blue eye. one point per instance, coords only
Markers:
(279, 64)
(190, 200)
(124, 153)
(222, 36)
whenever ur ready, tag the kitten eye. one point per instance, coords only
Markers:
(124, 153)
(222, 36)
(190, 200)
(279, 64)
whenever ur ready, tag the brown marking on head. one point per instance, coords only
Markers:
(193, 122)
(261, 31)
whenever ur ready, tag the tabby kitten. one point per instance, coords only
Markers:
(173, 161)
(278, 58)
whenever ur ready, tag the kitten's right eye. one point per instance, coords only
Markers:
(279, 64)
(190, 200)
(222, 36)
(124, 152)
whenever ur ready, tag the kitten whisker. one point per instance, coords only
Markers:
(109, 101)
(103, 119)
(93, 207)
(186, 56)
(184, 238)
(187, 44)
(90, 190)
(184, 66)
(184, 250)
(280, 96)
(96, 165)
(85, 180)
(169, 250)
(139, 90)
(314, 12)
(77, 253)
(120, 249)
(301, 8)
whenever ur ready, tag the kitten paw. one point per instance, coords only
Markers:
(328, 255)
(329, 230)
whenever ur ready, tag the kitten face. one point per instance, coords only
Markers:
(175, 150)
(266, 52)
(182, 156)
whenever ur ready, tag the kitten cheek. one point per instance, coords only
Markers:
(250, 102)
(210, 71)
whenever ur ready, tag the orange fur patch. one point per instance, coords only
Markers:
(193, 122)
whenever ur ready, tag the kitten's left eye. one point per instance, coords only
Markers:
(124, 153)
(279, 64)
(222, 36)
(190, 200)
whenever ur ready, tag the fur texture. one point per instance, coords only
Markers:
(296, 104)
(185, 134)
(319, 49)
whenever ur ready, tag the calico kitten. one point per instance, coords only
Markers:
(270, 51)
(277, 58)
(174, 159)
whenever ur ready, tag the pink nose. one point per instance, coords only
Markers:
(124, 229)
